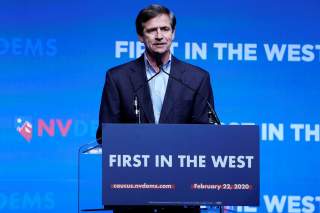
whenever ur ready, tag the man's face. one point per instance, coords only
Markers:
(157, 35)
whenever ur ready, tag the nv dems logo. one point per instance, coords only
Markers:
(25, 129)
(52, 128)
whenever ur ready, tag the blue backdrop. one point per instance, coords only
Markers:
(264, 61)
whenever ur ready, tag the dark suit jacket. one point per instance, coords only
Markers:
(181, 105)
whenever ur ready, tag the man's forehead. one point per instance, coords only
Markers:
(161, 20)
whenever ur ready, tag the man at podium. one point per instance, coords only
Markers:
(157, 87)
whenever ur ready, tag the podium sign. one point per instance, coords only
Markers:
(174, 164)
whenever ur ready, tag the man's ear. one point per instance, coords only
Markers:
(173, 34)
(140, 38)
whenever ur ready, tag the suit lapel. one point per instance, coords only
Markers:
(138, 80)
(172, 90)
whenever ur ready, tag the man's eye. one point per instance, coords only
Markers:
(166, 29)
(151, 30)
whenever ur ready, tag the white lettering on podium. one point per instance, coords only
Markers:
(163, 161)
(192, 161)
(128, 160)
(230, 161)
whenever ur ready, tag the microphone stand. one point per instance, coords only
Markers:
(212, 115)
(136, 106)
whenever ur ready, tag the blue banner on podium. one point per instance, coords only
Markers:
(174, 164)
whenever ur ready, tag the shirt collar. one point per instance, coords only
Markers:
(149, 67)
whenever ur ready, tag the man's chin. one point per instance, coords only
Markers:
(160, 52)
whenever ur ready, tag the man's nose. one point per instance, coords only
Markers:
(159, 35)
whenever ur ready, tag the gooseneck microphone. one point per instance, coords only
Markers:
(158, 61)
(136, 108)
(212, 115)
(136, 105)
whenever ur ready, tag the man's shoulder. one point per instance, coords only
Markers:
(124, 68)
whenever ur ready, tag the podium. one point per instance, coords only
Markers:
(180, 164)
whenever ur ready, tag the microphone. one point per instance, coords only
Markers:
(212, 115)
(136, 106)
(158, 60)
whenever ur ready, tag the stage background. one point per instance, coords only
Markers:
(264, 61)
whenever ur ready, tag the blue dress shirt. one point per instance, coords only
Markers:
(157, 86)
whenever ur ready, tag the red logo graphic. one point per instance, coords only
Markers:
(51, 128)
(25, 129)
